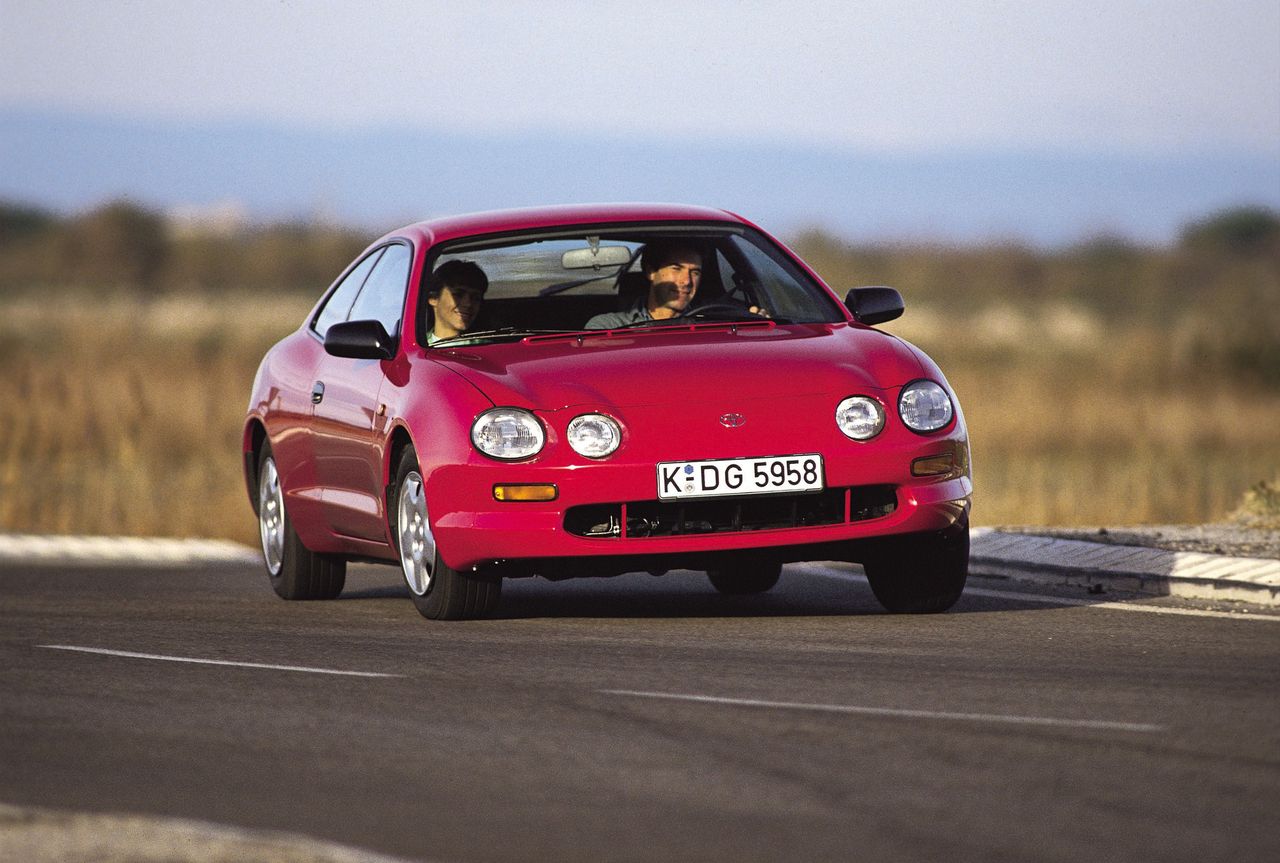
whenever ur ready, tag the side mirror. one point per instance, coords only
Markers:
(874, 305)
(360, 340)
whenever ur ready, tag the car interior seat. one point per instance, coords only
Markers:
(632, 286)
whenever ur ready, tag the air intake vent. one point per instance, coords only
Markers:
(652, 518)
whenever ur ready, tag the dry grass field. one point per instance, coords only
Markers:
(1074, 422)
(122, 415)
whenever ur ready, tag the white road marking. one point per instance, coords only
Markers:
(1095, 724)
(130, 655)
(1063, 600)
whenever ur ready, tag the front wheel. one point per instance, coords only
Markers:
(439, 591)
(295, 571)
(921, 573)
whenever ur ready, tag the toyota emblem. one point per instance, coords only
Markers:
(732, 421)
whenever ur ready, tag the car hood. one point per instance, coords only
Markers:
(683, 366)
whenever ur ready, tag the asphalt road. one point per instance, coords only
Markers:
(644, 719)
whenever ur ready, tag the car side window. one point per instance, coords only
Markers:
(382, 298)
(335, 308)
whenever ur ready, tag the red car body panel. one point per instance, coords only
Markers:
(667, 387)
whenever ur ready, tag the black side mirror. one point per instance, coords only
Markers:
(360, 340)
(874, 305)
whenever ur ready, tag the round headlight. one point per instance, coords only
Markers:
(924, 406)
(594, 435)
(507, 433)
(860, 417)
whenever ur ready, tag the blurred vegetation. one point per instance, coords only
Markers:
(1104, 383)
(122, 245)
(1216, 293)
(1261, 506)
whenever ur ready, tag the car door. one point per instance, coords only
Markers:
(290, 414)
(348, 424)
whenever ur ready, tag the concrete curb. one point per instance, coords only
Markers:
(32, 550)
(1046, 560)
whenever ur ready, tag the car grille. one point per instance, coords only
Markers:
(653, 518)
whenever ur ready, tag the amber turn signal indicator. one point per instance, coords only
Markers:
(934, 465)
(524, 492)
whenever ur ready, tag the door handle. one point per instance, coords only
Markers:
(317, 392)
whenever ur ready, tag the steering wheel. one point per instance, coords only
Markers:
(710, 310)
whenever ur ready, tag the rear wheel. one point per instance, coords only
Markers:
(745, 579)
(294, 570)
(922, 573)
(439, 591)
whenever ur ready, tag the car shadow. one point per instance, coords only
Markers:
(800, 593)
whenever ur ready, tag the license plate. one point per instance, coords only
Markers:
(724, 477)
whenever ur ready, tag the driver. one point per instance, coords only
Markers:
(455, 292)
(673, 269)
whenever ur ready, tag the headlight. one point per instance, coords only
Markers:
(924, 406)
(594, 435)
(507, 433)
(860, 417)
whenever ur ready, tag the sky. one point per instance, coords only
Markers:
(915, 84)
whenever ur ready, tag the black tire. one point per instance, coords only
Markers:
(448, 594)
(746, 579)
(921, 573)
(296, 572)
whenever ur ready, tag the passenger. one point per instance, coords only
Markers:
(673, 269)
(455, 292)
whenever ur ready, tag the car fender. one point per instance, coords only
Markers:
(434, 407)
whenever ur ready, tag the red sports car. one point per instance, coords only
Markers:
(586, 391)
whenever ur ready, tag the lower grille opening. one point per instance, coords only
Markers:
(601, 519)
(872, 501)
(652, 518)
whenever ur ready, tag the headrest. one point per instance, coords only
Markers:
(631, 286)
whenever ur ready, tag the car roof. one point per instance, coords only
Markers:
(531, 218)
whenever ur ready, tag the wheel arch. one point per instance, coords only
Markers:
(400, 440)
(255, 436)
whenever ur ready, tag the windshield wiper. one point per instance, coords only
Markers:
(501, 332)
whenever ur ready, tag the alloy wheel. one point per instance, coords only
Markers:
(271, 516)
(417, 545)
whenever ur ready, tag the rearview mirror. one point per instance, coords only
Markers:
(594, 259)
(360, 340)
(875, 304)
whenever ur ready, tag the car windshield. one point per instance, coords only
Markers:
(600, 277)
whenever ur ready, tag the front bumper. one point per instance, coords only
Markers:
(473, 531)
